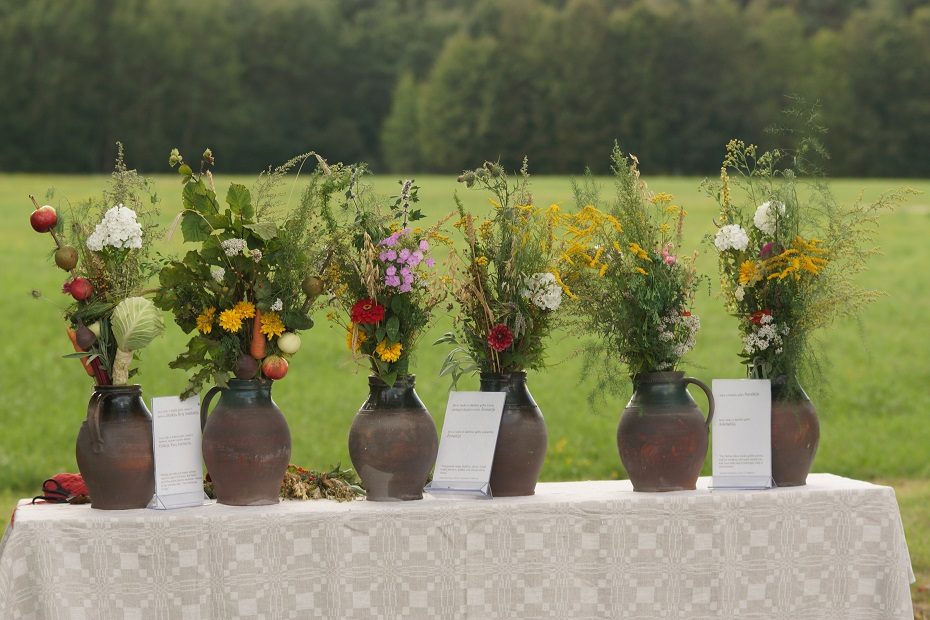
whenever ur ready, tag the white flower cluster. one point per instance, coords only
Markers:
(766, 217)
(768, 336)
(217, 273)
(117, 229)
(682, 326)
(543, 290)
(739, 293)
(731, 236)
(232, 247)
(256, 255)
(277, 306)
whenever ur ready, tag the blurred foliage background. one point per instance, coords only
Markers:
(436, 85)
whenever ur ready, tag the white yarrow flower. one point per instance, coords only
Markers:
(766, 216)
(731, 237)
(118, 229)
(232, 247)
(217, 273)
(543, 290)
(256, 254)
(277, 306)
(739, 293)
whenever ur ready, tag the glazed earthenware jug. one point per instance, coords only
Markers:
(662, 437)
(114, 449)
(522, 439)
(795, 433)
(246, 443)
(393, 441)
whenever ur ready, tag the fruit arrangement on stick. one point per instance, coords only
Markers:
(104, 248)
(249, 287)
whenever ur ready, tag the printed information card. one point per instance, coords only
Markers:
(466, 447)
(742, 440)
(176, 437)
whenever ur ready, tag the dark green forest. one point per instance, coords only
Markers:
(439, 85)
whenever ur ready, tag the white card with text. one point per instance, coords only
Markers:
(176, 438)
(742, 440)
(466, 448)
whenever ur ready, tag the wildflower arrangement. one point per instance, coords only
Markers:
(387, 281)
(788, 253)
(105, 247)
(249, 287)
(505, 282)
(623, 261)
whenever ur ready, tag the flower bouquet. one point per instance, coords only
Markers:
(509, 294)
(105, 248)
(788, 255)
(244, 294)
(388, 287)
(635, 291)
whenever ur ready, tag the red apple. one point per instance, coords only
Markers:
(274, 367)
(43, 219)
(79, 288)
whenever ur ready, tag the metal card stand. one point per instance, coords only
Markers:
(463, 490)
(177, 500)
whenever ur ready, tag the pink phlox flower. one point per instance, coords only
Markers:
(668, 258)
(430, 262)
(424, 245)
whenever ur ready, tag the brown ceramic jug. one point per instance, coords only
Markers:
(393, 441)
(662, 437)
(795, 433)
(246, 443)
(522, 440)
(114, 449)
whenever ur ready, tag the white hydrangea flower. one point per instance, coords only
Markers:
(232, 247)
(766, 216)
(118, 229)
(543, 290)
(277, 306)
(217, 273)
(731, 237)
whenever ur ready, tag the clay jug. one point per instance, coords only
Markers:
(522, 440)
(246, 443)
(795, 433)
(114, 449)
(662, 436)
(393, 441)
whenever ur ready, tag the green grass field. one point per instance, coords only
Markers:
(873, 410)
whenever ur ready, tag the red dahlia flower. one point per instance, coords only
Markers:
(367, 311)
(500, 337)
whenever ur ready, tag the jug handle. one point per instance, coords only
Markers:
(206, 404)
(93, 420)
(710, 399)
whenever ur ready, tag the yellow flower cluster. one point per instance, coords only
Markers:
(205, 320)
(802, 256)
(389, 352)
(639, 252)
(272, 325)
(230, 320)
(583, 230)
(481, 261)
(355, 338)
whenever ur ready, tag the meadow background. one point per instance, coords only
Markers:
(437, 86)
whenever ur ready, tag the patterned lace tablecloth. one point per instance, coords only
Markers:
(833, 549)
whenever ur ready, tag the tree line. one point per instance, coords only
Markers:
(438, 85)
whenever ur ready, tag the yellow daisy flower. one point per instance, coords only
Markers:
(389, 353)
(245, 309)
(749, 273)
(205, 321)
(230, 321)
(271, 324)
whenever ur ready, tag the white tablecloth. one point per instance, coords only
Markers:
(834, 549)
